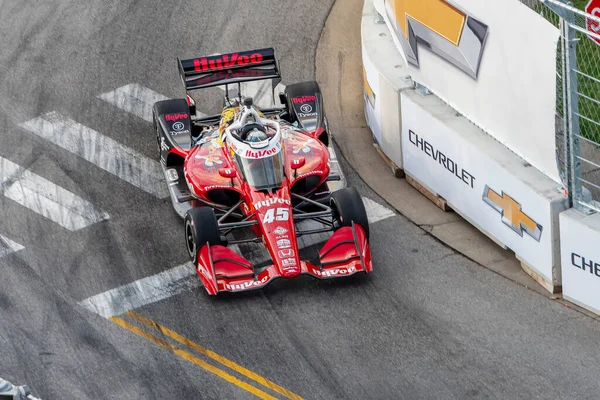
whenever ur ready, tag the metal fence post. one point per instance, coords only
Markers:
(564, 28)
(572, 111)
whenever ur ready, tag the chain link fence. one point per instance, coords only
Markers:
(577, 98)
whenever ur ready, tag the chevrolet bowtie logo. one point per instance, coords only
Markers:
(368, 91)
(447, 31)
(511, 213)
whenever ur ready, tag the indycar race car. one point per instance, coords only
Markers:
(254, 175)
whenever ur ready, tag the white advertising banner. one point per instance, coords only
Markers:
(371, 96)
(493, 61)
(580, 252)
(477, 187)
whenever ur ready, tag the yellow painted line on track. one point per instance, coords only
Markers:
(211, 354)
(189, 357)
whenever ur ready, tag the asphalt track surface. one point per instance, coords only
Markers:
(427, 324)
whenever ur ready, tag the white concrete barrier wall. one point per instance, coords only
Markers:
(513, 203)
(385, 77)
(580, 249)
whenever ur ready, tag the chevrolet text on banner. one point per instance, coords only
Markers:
(493, 61)
(476, 186)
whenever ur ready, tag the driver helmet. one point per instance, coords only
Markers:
(256, 135)
(253, 132)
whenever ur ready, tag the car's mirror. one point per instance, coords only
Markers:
(192, 105)
(298, 162)
(227, 173)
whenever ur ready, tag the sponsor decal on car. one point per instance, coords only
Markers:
(306, 108)
(289, 262)
(283, 243)
(163, 144)
(335, 271)
(304, 99)
(175, 133)
(261, 153)
(286, 253)
(172, 174)
(270, 202)
(304, 175)
(220, 75)
(212, 187)
(226, 61)
(247, 285)
(175, 117)
(280, 231)
(178, 126)
(260, 145)
(204, 271)
(307, 115)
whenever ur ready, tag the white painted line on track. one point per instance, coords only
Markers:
(183, 277)
(143, 291)
(7, 246)
(135, 99)
(46, 198)
(375, 211)
(104, 152)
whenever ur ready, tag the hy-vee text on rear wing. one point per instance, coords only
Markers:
(224, 69)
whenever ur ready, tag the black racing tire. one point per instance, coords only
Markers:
(348, 206)
(201, 227)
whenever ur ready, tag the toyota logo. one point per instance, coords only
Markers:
(306, 108)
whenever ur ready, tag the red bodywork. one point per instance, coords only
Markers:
(220, 269)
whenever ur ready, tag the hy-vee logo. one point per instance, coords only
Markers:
(226, 61)
(175, 117)
(270, 202)
(247, 285)
(304, 99)
(335, 272)
(261, 153)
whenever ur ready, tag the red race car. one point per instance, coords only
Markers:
(252, 175)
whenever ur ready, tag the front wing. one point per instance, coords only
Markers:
(346, 253)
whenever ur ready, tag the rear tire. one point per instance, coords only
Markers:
(347, 207)
(201, 227)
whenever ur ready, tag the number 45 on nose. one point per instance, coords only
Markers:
(276, 214)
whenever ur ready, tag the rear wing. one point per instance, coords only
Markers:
(223, 69)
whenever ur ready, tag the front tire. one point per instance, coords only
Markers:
(348, 207)
(201, 227)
